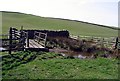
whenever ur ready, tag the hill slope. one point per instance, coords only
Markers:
(12, 19)
(53, 66)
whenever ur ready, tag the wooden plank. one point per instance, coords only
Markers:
(33, 44)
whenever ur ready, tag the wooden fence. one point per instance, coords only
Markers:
(16, 40)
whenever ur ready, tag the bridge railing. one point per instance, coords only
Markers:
(40, 38)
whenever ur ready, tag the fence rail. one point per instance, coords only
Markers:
(40, 38)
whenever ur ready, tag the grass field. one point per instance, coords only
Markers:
(39, 65)
(53, 66)
(36, 22)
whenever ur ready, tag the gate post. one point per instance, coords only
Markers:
(10, 40)
(27, 39)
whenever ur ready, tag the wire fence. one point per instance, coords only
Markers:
(108, 42)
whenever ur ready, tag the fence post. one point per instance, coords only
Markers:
(22, 37)
(10, 40)
(78, 37)
(116, 43)
(45, 39)
(27, 40)
(102, 43)
(39, 37)
(34, 35)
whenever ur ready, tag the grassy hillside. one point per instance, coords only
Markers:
(42, 65)
(36, 22)
(52, 66)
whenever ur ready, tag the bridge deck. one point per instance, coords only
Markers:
(33, 44)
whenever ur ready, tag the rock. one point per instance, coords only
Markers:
(81, 57)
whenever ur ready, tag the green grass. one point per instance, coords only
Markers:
(32, 65)
(3, 53)
(53, 66)
(36, 22)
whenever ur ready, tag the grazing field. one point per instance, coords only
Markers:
(39, 65)
(48, 65)
(11, 19)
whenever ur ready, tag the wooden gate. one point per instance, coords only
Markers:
(16, 40)
(117, 45)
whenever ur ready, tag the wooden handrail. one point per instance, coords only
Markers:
(38, 38)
